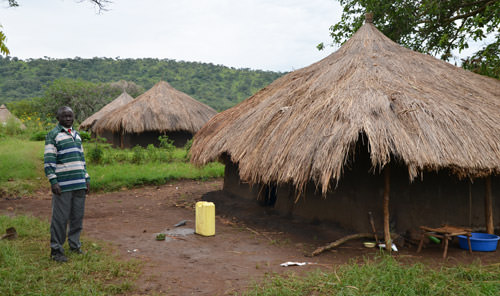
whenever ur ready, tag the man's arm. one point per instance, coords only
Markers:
(87, 177)
(49, 160)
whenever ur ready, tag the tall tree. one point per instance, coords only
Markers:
(435, 27)
(100, 4)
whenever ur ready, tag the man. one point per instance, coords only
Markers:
(65, 168)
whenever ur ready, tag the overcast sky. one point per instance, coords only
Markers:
(277, 35)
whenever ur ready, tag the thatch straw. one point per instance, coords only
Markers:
(5, 115)
(121, 100)
(420, 110)
(161, 109)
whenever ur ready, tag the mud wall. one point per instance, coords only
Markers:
(438, 198)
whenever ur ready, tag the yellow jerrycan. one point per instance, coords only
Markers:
(205, 218)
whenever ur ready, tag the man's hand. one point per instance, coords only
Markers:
(56, 189)
(88, 188)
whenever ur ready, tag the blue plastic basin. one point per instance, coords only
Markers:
(482, 242)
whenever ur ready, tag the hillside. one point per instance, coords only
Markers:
(218, 86)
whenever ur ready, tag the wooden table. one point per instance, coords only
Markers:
(445, 233)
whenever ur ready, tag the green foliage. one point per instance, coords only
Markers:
(95, 154)
(486, 61)
(386, 276)
(167, 146)
(3, 48)
(430, 26)
(38, 136)
(26, 269)
(218, 86)
(85, 136)
(10, 127)
(138, 155)
(84, 97)
(187, 147)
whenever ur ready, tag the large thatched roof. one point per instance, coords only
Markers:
(5, 115)
(121, 100)
(162, 109)
(422, 111)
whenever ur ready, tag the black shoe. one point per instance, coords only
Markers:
(77, 251)
(58, 257)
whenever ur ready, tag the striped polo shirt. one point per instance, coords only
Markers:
(64, 162)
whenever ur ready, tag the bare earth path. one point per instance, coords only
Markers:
(250, 241)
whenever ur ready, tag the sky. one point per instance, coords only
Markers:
(276, 35)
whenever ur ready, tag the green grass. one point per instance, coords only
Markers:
(116, 176)
(21, 166)
(384, 275)
(26, 268)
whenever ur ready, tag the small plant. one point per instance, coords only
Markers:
(137, 154)
(160, 236)
(167, 145)
(11, 127)
(38, 136)
(96, 154)
(85, 136)
(187, 147)
(152, 152)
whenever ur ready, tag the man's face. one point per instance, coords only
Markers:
(66, 118)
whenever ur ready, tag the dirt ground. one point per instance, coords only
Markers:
(250, 242)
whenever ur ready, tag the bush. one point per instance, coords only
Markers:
(167, 145)
(38, 136)
(95, 154)
(138, 154)
(85, 136)
(11, 127)
(187, 147)
(152, 152)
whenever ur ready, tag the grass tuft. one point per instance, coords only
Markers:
(384, 275)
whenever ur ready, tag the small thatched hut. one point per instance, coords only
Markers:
(162, 110)
(121, 100)
(334, 140)
(5, 115)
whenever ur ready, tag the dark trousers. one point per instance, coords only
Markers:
(67, 209)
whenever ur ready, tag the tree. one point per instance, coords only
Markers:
(430, 26)
(101, 5)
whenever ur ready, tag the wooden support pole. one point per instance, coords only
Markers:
(387, 189)
(488, 207)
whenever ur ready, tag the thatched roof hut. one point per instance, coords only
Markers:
(160, 110)
(5, 115)
(403, 106)
(121, 100)
(421, 110)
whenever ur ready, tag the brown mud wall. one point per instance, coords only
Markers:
(437, 198)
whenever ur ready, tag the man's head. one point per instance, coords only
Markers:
(65, 116)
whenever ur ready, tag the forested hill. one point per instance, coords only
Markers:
(217, 86)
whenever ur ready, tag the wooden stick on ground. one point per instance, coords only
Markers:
(340, 241)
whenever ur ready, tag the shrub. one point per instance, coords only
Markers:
(85, 136)
(187, 147)
(11, 127)
(38, 136)
(95, 154)
(167, 146)
(152, 152)
(138, 154)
